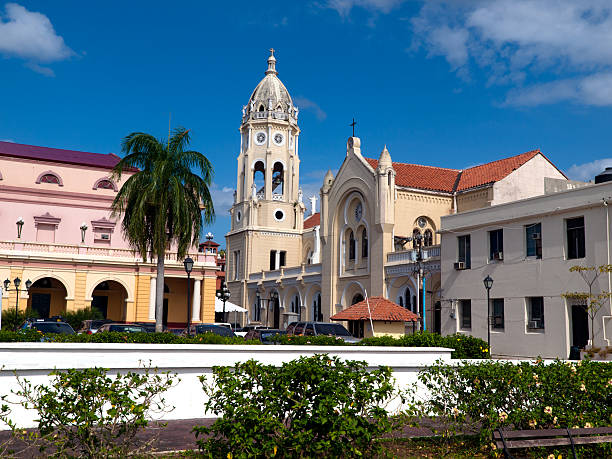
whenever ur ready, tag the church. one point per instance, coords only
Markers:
(376, 233)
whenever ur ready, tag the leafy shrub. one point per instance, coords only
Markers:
(90, 414)
(121, 337)
(311, 407)
(74, 318)
(319, 340)
(493, 394)
(12, 319)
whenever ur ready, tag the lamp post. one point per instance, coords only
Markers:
(223, 294)
(17, 283)
(488, 283)
(19, 224)
(83, 228)
(188, 262)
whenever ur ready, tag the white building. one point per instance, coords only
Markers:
(528, 247)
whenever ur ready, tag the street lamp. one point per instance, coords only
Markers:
(188, 262)
(17, 283)
(223, 294)
(488, 283)
(83, 228)
(19, 223)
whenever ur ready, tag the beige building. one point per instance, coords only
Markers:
(284, 265)
(527, 247)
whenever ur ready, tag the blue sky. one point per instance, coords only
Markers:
(445, 83)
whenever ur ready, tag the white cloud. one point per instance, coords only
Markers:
(46, 71)
(307, 104)
(517, 40)
(344, 7)
(29, 35)
(588, 171)
(223, 198)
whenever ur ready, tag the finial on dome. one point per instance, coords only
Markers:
(271, 63)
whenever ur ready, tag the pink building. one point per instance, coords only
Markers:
(58, 233)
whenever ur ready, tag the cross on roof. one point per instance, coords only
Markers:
(353, 125)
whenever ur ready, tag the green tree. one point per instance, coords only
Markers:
(163, 201)
(593, 302)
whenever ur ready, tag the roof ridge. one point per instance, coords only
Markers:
(536, 151)
(418, 165)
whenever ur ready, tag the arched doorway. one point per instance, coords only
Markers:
(47, 298)
(109, 297)
(276, 306)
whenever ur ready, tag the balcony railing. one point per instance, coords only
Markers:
(292, 272)
(410, 256)
(76, 251)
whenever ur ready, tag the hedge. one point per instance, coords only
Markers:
(465, 346)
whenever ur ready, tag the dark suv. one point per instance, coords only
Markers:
(52, 325)
(320, 328)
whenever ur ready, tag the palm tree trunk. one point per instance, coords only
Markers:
(159, 294)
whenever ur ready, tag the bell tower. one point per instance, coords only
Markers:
(268, 206)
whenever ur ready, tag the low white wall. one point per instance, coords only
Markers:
(34, 361)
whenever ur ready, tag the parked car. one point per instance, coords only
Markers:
(123, 328)
(247, 328)
(91, 326)
(264, 335)
(52, 325)
(214, 328)
(321, 328)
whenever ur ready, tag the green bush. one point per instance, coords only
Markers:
(318, 406)
(309, 340)
(120, 337)
(12, 319)
(74, 318)
(491, 394)
(87, 413)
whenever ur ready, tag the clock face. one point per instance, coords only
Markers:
(358, 212)
(260, 138)
(278, 139)
(422, 222)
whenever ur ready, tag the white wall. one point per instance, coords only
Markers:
(34, 361)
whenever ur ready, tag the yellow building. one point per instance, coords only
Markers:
(376, 233)
(57, 232)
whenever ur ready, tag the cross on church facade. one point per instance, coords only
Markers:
(353, 125)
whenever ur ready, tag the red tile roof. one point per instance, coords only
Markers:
(105, 161)
(449, 180)
(313, 220)
(493, 171)
(381, 308)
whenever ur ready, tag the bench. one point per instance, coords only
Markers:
(512, 439)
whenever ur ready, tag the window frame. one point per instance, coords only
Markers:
(496, 240)
(462, 314)
(530, 316)
(497, 302)
(575, 236)
(536, 243)
(467, 249)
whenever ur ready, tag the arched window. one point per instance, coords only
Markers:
(351, 246)
(259, 177)
(50, 178)
(357, 298)
(364, 243)
(105, 184)
(295, 304)
(428, 238)
(309, 257)
(416, 234)
(401, 301)
(262, 108)
(317, 313)
(278, 179)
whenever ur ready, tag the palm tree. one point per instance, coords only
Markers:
(162, 202)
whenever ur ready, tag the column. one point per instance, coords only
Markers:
(197, 301)
(277, 260)
(152, 291)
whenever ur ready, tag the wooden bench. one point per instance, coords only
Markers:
(512, 439)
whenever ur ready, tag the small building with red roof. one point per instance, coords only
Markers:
(387, 318)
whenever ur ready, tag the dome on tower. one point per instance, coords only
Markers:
(270, 98)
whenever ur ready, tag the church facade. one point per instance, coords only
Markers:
(376, 233)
